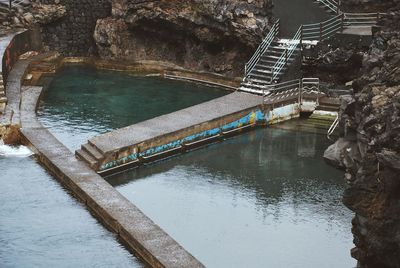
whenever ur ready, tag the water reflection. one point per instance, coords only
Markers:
(263, 199)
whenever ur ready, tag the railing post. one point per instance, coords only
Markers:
(10, 5)
(286, 57)
(342, 23)
(338, 7)
(301, 35)
(320, 31)
(300, 89)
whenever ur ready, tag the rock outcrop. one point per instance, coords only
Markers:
(201, 35)
(370, 150)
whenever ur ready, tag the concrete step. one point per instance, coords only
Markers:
(85, 157)
(261, 77)
(254, 86)
(2, 94)
(251, 90)
(258, 81)
(263, 66)
(262, 71)
(92, 151)
(3, 100)
(328, 108)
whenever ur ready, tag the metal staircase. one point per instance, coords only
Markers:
(274, 56)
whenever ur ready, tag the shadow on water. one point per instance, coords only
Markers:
(251, 194)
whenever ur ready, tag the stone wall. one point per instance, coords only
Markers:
(72, 35)
(369, 150)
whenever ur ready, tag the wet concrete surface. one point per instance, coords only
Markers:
(170, 123)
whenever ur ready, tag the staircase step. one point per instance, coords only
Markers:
(84, 156)
(255, 86)
(260, 82)
(250, 90)
(267, 72)
(3, 100)
(262, 77)
(92, 151)
(328, 108)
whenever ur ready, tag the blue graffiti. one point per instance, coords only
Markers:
(251, 118)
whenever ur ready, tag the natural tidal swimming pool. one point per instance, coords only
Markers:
(261, 199)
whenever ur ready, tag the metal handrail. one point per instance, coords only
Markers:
(286, 55)
(333, 127)
(304, 84)
(331, 4)
(262, 48)
(324, 30)
(361, 19)
(14, 3)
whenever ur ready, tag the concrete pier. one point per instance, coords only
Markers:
(172, 133)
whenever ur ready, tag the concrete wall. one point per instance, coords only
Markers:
(73, 34)
(18, 45)
(184, 139)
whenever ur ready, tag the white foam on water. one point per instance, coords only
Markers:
(14, 151)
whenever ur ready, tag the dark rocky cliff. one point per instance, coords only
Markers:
(201, 35)
(369, 150)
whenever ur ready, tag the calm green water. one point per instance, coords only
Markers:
(41, 225)
(263, 199)
(81, 102)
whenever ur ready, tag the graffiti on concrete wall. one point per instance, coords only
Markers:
(250, 119)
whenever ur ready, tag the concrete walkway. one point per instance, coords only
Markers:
(167, 133)
(175, 121)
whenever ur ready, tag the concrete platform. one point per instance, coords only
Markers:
(170, 132)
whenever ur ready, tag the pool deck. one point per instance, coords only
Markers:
(171, 132)
(170, 123)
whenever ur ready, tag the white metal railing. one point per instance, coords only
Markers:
(331, 4)
(361, 19)
(294, 88)
(333, 127)
(262, 48)
(323, 30)
(8, 5)
(286, 55)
